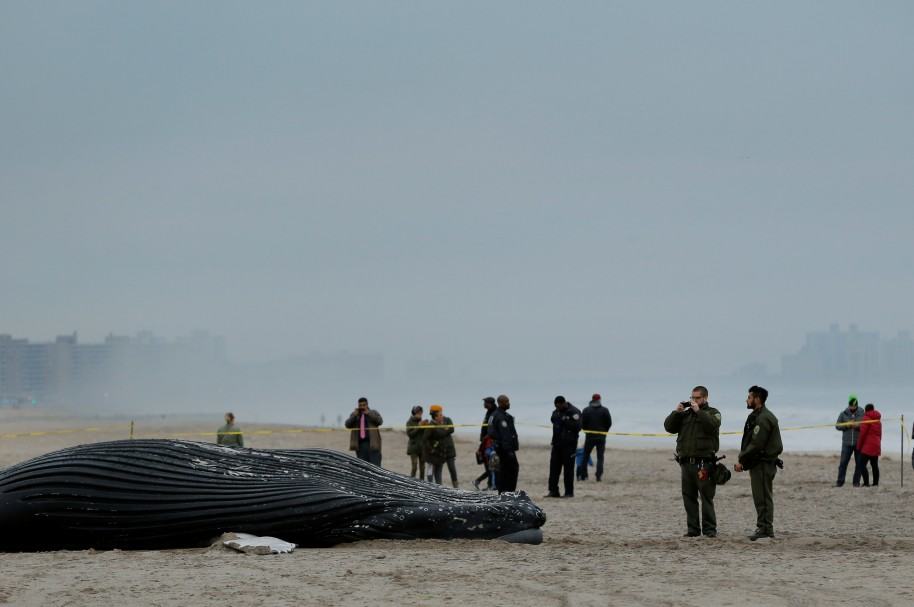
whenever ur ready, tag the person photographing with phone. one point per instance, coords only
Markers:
(364, 437)
(697, 426)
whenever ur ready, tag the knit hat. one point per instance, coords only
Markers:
(435, 409)
(595, 396)
(851, 400)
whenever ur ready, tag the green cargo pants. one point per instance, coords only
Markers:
(762, 479)
(692, 489)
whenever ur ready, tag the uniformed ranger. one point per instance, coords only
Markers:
(758, 454)
(566, 427)
(697, 425)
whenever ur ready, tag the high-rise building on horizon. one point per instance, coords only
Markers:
(851, 355)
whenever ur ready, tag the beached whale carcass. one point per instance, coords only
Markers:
(143, 494)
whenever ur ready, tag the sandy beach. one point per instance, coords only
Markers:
(616, 543)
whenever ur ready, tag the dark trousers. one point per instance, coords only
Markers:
(846, 452)
(506, 478)
(365, 453)
(873, 461)
(860, 469)
(591, 441)
(452, 470)
(438, 468)
(485, 476)
(562, 462)
(416, 465)
(761, 478)
(694, 488)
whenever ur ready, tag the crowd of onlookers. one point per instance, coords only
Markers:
(431, 444)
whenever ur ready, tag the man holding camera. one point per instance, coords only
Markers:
(697, 425)
(364, 437)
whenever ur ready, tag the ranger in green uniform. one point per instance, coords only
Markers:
(697, 425)
(759, 455)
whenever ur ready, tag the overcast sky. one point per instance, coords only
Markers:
(524, 188)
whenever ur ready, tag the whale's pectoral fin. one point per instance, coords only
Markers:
(253, 544)
(527, 536)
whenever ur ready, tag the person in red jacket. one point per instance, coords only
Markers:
(870, 441)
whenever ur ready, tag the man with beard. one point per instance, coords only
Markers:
(758, 454)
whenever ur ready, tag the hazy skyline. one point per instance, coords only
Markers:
(523, 189)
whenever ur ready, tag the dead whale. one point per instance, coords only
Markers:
(151, 494)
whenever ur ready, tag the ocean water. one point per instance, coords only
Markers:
(638, 407)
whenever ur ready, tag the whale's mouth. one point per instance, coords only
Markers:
(527, 536)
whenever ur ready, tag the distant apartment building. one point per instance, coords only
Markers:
(67, 372)
(147, 372)
(851, 355)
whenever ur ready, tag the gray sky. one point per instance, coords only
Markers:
(523, 188)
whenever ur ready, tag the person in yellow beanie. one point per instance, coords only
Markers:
(440, 444)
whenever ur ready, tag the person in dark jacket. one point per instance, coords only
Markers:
(596, 422)
(414, 447)
(502, 431)
(365, 438)
(441, 444)
(848, 425)
(566, 425)
(870, 442)
(697, 426)
(484, 443)
(758, 454)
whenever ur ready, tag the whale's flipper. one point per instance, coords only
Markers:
(527, 536)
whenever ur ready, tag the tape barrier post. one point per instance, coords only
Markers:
(131, 429)
(901, 458)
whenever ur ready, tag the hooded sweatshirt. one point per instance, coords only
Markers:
(870, 441)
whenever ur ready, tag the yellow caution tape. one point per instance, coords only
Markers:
(58, 432)
(300, 430)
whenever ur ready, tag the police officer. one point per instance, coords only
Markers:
(501, 429)
(758, 454)
(697, 425)
(566, 425)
